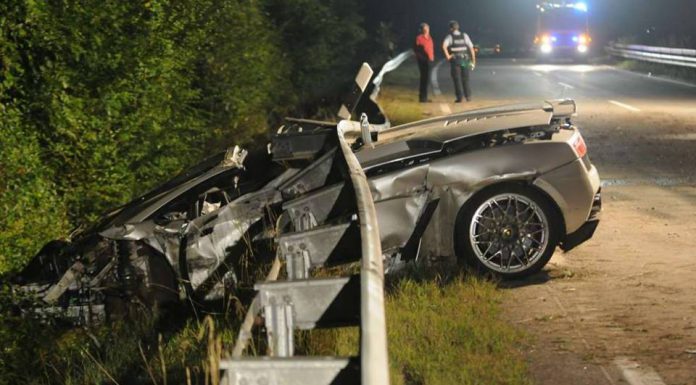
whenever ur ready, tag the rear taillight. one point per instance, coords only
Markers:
(578, 144)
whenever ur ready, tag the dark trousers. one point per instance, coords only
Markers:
(460, 77)
(424, 68)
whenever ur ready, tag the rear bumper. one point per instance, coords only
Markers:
(586, 231)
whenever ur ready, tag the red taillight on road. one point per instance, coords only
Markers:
(578, 144)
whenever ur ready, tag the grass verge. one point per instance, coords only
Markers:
(668, 71)
(399, 95)
(451, 333)
(440, 331)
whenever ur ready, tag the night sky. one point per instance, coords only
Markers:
(513, 22)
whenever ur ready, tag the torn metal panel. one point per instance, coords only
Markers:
(410, 250)
(130, 231)
(211, 236)
(352, 99)
(397, 219)
(301, 145)
(400, 183)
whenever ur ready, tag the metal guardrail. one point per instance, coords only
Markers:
(374, 362)
(303, 302)
(663, 55)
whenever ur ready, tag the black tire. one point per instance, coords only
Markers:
(499, 233)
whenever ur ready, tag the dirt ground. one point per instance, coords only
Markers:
(627, 292)
(630, 291)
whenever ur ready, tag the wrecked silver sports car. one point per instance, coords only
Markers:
(499, 188)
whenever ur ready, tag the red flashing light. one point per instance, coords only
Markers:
(579, 145)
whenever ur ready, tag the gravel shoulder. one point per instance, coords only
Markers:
(630, 291)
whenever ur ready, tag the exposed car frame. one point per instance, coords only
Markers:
(499, 188)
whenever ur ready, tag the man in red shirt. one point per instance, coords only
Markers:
(424, 55)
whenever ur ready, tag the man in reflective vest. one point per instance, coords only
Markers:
(459, 51)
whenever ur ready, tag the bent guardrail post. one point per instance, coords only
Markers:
(245, 329)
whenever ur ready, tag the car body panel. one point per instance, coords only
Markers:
(456, 178)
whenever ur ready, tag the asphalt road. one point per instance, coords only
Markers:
(620, 308)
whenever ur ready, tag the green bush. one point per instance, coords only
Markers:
(32, 213)
(104, 100)
(132, 91)
(321, 40)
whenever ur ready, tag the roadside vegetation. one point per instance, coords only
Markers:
(399, 95)
(143, 349)
(656, 69)
(442, 329)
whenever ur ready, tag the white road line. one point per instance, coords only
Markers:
(624, 105)
(537, 74)
(445, 108)
(433, 78)
(564, 85)
(637, 374)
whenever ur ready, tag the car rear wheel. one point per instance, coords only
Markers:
(510, 231)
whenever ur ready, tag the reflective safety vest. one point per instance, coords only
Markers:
(458, 46)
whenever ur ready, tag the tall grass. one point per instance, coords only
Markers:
(399, 95)
(141, 350)
(440, 331)
(451, 333)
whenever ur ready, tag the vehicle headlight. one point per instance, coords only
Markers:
(546, 48)
(582, 48)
